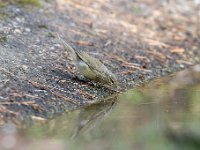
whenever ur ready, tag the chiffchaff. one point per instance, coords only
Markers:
(90, 67)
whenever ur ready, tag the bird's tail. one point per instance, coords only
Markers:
(71, 51)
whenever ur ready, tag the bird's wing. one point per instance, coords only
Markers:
(92, 62)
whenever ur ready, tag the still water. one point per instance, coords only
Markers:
(161, 115)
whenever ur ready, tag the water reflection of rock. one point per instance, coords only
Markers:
(91, 115)
(184, 137)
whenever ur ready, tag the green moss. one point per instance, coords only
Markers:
(137, 10)
(31, 2)
(22, 2)
(2, 4)
(3, 38)
(3, 16)
(51, 35)
(44, 26)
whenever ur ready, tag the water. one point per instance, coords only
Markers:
(161, 115)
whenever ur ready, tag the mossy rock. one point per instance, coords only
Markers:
(37, 3)
(31, 2)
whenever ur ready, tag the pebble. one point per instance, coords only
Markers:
(24, 67)
(20, 20)
(27, 30)
(17, 31)
(52, 48)
(182, 66)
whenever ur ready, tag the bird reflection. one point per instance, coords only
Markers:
(93, 114)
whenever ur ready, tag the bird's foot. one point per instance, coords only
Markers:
(83, 79)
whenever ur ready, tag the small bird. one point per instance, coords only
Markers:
(89, 67)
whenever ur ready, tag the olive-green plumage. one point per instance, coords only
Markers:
(90, 67)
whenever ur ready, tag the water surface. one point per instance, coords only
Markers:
(161, 115)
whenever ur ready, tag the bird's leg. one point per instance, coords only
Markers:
(83, 79)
